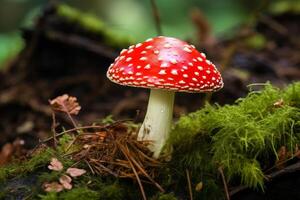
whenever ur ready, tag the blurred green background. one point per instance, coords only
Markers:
(134, 17)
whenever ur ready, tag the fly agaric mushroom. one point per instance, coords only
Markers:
(165, 65)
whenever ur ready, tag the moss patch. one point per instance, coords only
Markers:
(242, 138)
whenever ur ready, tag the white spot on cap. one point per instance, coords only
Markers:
(162, 72)
(138, 74)
(167, 46)
(196, 73)
(213, 78)
(173, 61)
(130, 50)
(122, 68)
(171, 79)
(164, 65)
(138, 45)
(128, 59)
(156, 52)
(174, 72)
(194, 79)
(149, 39)
(203, 54)
(186, 49)
(204, 77)
(143, 52)
(130, 65)
(185, 75)
(184, 67)
(207, 71)
(194, 59)
(200, 68)
(130, 72)
(190, 64)
(208, 62)
(193, 46)
(181, 82)
(122, 57)
(143, 58)
(149, 47)
(200, 59)
(148, 66)
(123, 51)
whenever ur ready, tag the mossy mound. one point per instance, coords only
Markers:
(241, 139)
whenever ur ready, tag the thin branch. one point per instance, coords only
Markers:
(220, 169)
(156, 17)
(189, 183)
(135, 173)
(53, 127)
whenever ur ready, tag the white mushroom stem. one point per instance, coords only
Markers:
(158, 119)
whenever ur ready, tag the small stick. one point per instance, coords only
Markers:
(156, 17)
(145, 173)
(189, 183)
(88, 164)
(220, 169)
(53, 130)
(135, 173)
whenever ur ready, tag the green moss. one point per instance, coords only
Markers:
(169, 196)
(94, 25)
(21, 168)
(82, 193)
(112, 192)
(239, 137)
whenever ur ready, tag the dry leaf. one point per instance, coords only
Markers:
(66, 104)
(282, 156)
(199, 187)
(53, 187)
(279, 103)
(66, 180)
(55, 165)
(74, 172)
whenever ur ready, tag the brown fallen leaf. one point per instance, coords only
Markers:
(66, 180)
(66, 104)
(55, 165)
(282, 156)
(199, 187)
(74, 172)
(53, 187)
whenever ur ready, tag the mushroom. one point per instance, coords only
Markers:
(165, 65)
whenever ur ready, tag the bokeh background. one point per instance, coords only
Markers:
(134, 17)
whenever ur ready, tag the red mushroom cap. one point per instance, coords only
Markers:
(165, 63)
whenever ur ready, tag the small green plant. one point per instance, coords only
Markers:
(240, 138)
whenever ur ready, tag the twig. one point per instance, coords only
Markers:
(86, 127)
(156, 17)
(189, 183)
(71, 130)
(145, 173)
(220, 169)
(135, 173)
(53, 129)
